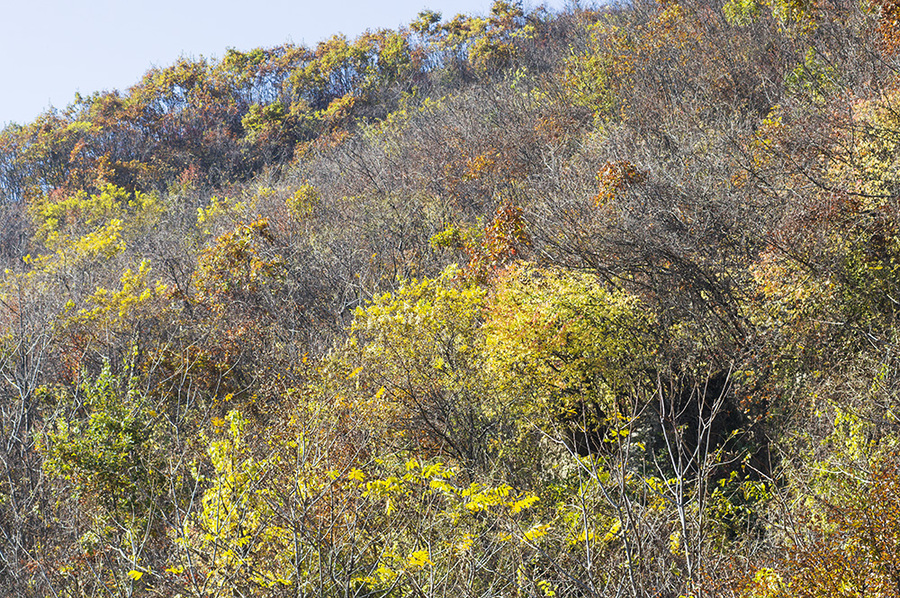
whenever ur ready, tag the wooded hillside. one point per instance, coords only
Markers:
(595, 303)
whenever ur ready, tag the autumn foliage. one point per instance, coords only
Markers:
(596, 302)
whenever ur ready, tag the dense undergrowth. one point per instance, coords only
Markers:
(593, 303)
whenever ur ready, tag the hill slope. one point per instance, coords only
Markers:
(593, 303)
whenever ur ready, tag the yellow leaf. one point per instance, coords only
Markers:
(525, 503)
(135, 575)
(536, 532)
(465, 543)
(613, 531)
(546, 588)
(419, 558)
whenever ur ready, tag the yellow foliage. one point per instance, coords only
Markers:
(874, 171)
(116, 309)
(419, 559)
(105, 242)
(546, 588)
(64, 220)
(220, 209)
(538, 531)
(303, 202)
(525, 503)
(554, 335)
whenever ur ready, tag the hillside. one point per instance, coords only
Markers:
(593, 303)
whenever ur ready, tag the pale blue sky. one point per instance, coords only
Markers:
(53, 48)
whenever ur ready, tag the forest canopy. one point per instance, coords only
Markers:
(598, 302)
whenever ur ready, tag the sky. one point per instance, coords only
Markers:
(51, 49)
